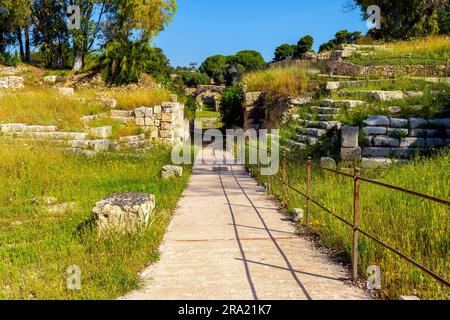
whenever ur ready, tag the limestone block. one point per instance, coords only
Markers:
(398, 123)
(65, 91)
(349, 136)
(417, 123)
(376, 152)
(149, 121)
(167, 117)
(385, 141)
(100, 132)
(123, 213)
(140, 121)
(50, 79)
(351, 154)
(377, 121)
(157, 109)
(374, 130)
(328, 162)
(435, 142)
(171, 171)
(412, 143)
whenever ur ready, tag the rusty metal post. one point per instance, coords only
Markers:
(283, 173)
(355, 224)
(308, 192)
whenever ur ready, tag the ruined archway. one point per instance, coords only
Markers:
(209, 95)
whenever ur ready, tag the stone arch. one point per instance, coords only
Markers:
(209, 94)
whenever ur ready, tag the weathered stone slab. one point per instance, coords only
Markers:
(349, 136)
(373, 163)
(412, 143)
(351, 154)
(100, 132)
(171, 171)
(376, 152)
(385, 141)
(123, 212)
(328, 162)
(50, 79)
(65, 91)
(387, 95)
(377, 121)
(417, 123)
(444, 123)
(405, 153)
(435, 142)
(398, 123)
(374, 130)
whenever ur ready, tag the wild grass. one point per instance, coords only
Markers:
(207, 112)
(415, 226)
(118, 129)
(417, 51)
(46, 107)
(128, 99)
(290, 81)
(37, 245)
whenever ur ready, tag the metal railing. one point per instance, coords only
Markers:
(355, 224)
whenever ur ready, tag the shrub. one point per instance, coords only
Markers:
(231, 109)
(9, 60)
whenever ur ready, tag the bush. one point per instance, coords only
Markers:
(10, 60)
(231, 108)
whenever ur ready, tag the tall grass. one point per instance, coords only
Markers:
(128, 99)
(290, 81)
(37, 245)
(417, 227)
(45, 107)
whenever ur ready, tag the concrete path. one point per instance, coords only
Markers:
(228, 241)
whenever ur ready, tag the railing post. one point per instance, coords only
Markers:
(355, 224)
(283, 173)
(308, 192)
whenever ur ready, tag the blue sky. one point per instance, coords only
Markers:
(202, 28)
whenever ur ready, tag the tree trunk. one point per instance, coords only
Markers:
(27, 45)
(78, 60)
(19, 38)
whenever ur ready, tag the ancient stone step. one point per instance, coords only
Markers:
(307, 139)
(313, 132)
(50, 135)
(297, 144)
(326, 125)
(21, 127)
(330, 103)
(325, 110)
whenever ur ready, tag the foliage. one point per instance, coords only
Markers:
(283, 82)
(405, 19)
(9, 60)
(215, 68)
(193, 78)
(284, 52)
(249, 60)
(444, 20)
(157, 64)
(304, 45)
(231, 108)
(341, 37)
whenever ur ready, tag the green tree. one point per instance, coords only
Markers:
(444, 20)
(156, 63)
(284, 52)
(304, 45)
(231, 107)
(249, 59)
(405, 19)
(215, 68)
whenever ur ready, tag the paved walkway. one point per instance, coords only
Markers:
(228, 241)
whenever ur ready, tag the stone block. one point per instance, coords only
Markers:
(444, 123)
(171, 171)
(351, 154)
(65, 91)
(140, 122)
(167, 117)
(377, 121)
(405, 153)
(412, 143)
(328, 162)
(100, 132)
(349, 137)
(374, 130)
(376, 152)
(435, 142)
(123, 213)
(385, 141)
(157, 109)
(417, 123)
(398, 123)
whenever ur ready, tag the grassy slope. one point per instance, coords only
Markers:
(37, 246)
(416, 227)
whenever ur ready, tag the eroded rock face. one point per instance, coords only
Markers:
(122, 213)
(170, 171)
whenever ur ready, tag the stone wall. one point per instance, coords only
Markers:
(342, 67)
(11, 82)
(386, 139)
